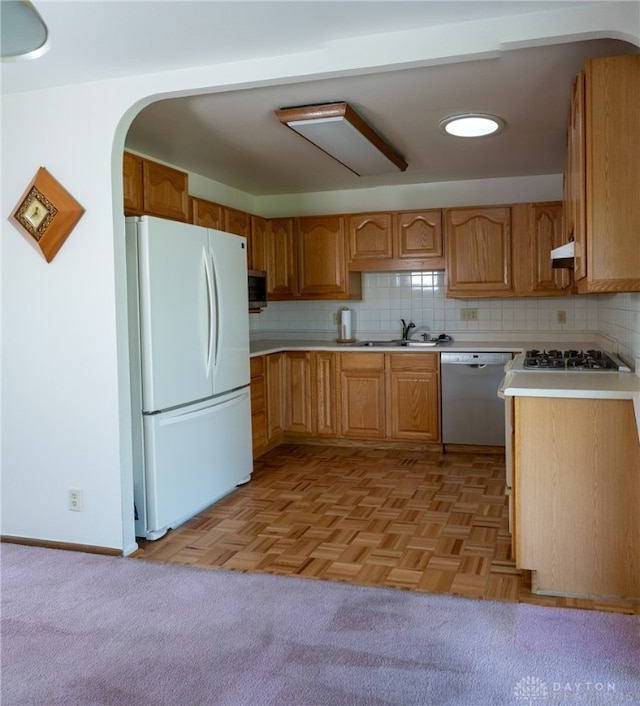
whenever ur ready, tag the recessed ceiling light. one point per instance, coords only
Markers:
(472, 125)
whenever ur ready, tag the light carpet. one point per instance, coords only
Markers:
(85, 629)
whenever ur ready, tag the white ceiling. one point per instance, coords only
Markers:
(234, 137)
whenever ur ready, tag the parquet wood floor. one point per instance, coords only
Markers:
(410, 520)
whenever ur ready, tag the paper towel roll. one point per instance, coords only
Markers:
(345, 324)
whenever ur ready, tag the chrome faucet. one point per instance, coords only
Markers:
(406, 329)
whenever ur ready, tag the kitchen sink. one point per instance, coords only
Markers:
(400, 342)
(379, 344)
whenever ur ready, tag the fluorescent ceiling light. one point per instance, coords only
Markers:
(24, 35)
(472, 125)
(340, 132)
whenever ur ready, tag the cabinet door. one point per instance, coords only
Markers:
(258, 406)
(478, 251)
(325, 406)
(322, 268)
(370, 237)
(166, 191)
(274, 373)
(237, 222)
(207, 214)
(612, 102)
(280, 260)
(413, 409)
(132, 184)
(362, 392)
(546, 232)
(418, 234)
(257, 244)
(575, 177)
(298, 393)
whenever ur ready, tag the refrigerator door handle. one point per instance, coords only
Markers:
(210, 304)
(215, 312)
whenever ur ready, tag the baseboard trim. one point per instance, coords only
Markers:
(68, 546)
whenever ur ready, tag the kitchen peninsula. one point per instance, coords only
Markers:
(572, 448)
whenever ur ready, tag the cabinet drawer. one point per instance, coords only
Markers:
(362, 361)
(415, 361)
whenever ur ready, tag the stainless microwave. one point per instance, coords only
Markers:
(257, 289)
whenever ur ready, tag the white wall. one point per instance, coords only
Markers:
(65, 406)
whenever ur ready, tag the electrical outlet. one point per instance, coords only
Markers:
(74, 499)
(469, 314)
(562, 317)
(336, 318)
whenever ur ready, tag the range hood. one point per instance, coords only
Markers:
(564, 256)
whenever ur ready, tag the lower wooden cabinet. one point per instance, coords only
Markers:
(577, 503)
(258, 406)
(354, 396)
(275, 376)
(297, 393)
(362, 392)
(413, 409)
(325, 393)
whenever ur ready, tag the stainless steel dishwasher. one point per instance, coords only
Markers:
(472, 412)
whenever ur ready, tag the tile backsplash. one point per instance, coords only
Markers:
(420, 297)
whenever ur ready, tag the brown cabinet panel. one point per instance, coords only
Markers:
(612, 107)
(258, 406)
(281, 259)
(575, 177)
(237, 222)
(413, 403)
(207, 213)
(370, 236)
(132, 184)
(275, 379)
(322, 269)
(326, 404)
(478, 244)
(546, 232)
(577, 505)
(298, 393)
(362, 392)
(257, 244)
(166, 191)
(418, 234)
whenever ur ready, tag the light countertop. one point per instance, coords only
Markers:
(596, 385)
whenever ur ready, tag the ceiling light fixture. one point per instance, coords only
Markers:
(24, 35)
(472, 125)
(340, 132)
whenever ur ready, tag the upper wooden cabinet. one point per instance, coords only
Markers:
(370, 239)
(606, 105)
(257, 247)
(537, 228)
(478, 245)
(306, 259)
(418, 235)
(166, 191)
(403, 240)
(207, 213)
(237, 222)
(281, 278)
(132, 184)
(322, 259)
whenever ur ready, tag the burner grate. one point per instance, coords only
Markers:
(570, 359)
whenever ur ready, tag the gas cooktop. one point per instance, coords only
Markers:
(572, 359)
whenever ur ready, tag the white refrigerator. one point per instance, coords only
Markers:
(189, 341)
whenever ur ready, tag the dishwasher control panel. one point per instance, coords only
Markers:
(463, 358)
